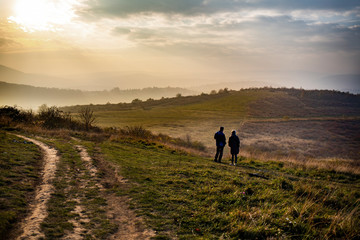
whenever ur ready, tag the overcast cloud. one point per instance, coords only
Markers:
(195, 7)
(198, 35)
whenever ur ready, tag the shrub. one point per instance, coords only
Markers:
(54, 118)
(10, 115)
(136, 131)
(87, 117)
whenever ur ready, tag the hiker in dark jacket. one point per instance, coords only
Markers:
(234, 144)
(220, 144)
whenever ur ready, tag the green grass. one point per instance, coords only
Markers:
(230, 106)
(20, 163)
(190, 197)
(279, 124)
(232, 102)
(183, 110)
(193, 198)
(74, 186)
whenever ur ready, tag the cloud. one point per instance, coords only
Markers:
(4, 42)
(123, 8)
(249, 33)
(239, 33)
(283, 26)
(121, 31)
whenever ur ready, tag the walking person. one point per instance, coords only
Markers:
(234, 144)
(220, 144)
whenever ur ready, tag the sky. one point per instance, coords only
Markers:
(181, 42)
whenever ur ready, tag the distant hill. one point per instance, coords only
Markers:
(233, 85)
(6, 71)
(31, 97)
(10, 75)
(256, 102)
(301, 123)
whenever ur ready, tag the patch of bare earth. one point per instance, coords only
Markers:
(78, 230)
(129, 225)
(38, 209)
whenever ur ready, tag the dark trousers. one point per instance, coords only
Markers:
(232, 158)
(219, 153)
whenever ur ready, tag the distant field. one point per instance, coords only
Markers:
(281, 122)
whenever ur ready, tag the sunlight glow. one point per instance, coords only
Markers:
(43, 15)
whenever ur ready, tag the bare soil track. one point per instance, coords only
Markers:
(129, 225)
(31, 224)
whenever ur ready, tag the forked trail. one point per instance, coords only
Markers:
(129, 226)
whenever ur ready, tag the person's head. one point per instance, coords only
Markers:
(233, 132)
(221, 129)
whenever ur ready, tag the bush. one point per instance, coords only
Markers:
(53, 118)
(140, 132)
(9, 115)
(136, 131)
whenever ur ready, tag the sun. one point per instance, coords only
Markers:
(42, 15)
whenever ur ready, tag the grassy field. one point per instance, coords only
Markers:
(188, 197)
(285, 124)
(20, 163)
(184, 196)
(298, 176)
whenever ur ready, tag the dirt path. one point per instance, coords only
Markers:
(130, 227)
(31, 224)
(84, 189)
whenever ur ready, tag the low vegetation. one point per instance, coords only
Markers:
(20, 163)
(185, 196)
(189, 197)
(292, 125)
(71, 188)
(174, 184)
(47, 118)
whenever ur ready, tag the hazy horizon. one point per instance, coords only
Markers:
(181, 43)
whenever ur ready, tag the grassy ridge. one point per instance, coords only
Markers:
(228, 106)
(280, 123)
(19, 173)
(194, 198)
(180, 110)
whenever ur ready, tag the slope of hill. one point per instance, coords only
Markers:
(299, 124)
(10, 75)
(31, 97)
(9, 72)
(177, 194)
(258, 103)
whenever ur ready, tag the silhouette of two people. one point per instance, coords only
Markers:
(234, 144)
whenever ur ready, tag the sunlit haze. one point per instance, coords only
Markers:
(133, 44)
(38, 15)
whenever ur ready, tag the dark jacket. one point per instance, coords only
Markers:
(220, 139)
(234, 144)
